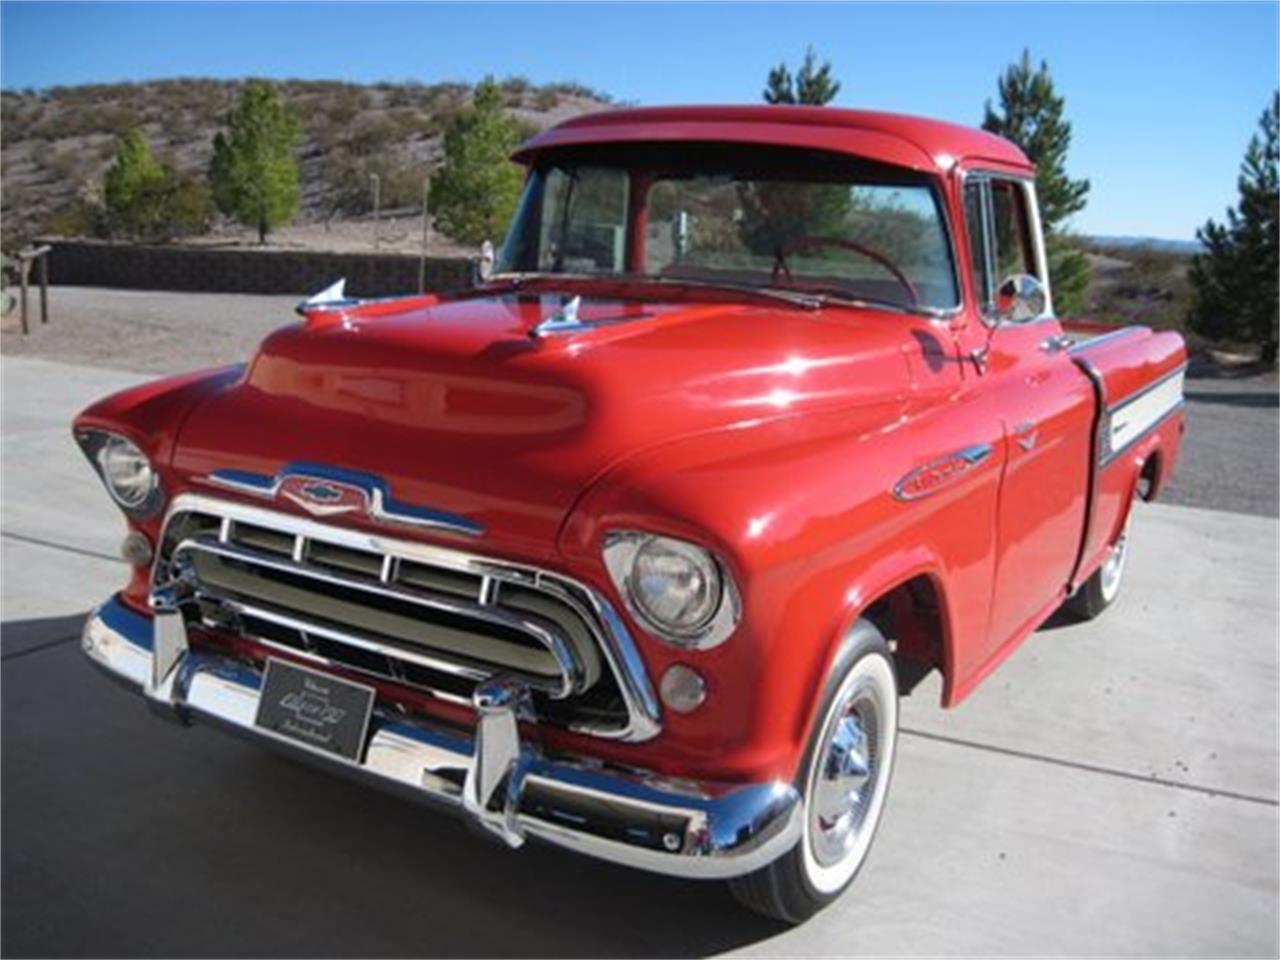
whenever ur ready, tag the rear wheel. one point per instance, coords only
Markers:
(845, 780)
(1100, 590)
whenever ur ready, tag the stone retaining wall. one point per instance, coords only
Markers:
(241, 270)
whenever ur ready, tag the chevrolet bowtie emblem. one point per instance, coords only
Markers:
(323, 497)
(327, 491)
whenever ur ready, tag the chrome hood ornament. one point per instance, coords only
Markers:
(564, 320)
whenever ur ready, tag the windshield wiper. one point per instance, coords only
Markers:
(871, 303)
(809, 301)
(799, 298)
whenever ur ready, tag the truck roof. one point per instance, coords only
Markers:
(915, 142)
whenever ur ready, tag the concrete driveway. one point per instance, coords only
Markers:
(1111, 790)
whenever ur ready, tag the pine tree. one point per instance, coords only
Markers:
(254, 172)
(476, 189)
(813, 85)
(1031, 115)
(133, 191)
(1236, 281)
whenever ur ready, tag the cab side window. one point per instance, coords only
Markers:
(999, 225)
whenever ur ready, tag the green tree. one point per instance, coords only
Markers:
(142, 198)
(476, 189)
(254, 172)
(133, 191)
(812, 85)
(1236, 281)
(1031, 115)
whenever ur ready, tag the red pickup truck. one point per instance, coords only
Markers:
(762, 414)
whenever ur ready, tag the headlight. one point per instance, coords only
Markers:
(678, 590)
(125, 471)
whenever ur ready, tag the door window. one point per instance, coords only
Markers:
(998, 220)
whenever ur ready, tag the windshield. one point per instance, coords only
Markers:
(861, 233)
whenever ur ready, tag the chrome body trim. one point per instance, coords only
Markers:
(90, 440)
(381, 507)
(1079, 345)
(1114, 405)
(1111, 410)
(612, 637)
(1153, 425)
(1103, 454)
(571, 670)
(620, 548)
(692, 829)
(982, 176)
(967, 458)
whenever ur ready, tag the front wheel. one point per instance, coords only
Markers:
(845, 780)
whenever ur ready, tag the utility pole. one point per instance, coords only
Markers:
(422, 263)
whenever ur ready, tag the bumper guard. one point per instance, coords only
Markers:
(678, 827)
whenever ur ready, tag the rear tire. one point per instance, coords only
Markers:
(844, 781)
(1100, 590)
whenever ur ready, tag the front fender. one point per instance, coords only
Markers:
(804, 518)
(151, 416)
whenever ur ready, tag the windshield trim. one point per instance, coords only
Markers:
(638, 168)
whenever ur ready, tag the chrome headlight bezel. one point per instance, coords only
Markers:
(137, 500)
(621, 550)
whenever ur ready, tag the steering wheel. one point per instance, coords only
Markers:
(794, 244)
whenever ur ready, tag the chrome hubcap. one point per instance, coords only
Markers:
(847, 777)
(1113, 568)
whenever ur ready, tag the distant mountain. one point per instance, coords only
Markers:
(1153, 243)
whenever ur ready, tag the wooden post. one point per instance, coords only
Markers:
(23, 266)
(44, 284)
(422, 261)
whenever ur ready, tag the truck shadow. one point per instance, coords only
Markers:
(124, 835)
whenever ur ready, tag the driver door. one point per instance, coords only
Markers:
(1045, 407)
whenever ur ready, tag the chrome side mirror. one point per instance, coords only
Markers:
(484, 263)
(1020, 298)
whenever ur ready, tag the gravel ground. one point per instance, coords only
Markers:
(147, 331)
(1231, 454)
(1230, 458)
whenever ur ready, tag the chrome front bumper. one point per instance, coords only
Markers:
(679, 827)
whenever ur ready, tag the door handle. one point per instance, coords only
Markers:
(1026, 434)
(1056, 344)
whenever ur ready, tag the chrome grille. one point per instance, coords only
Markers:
(411, 613)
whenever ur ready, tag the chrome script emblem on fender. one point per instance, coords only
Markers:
(936, 474)
(323, 497)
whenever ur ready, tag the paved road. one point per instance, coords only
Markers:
(1112, 790)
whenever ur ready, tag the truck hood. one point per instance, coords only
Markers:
(457, 407)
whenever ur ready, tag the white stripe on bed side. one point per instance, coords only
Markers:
(1132, 419)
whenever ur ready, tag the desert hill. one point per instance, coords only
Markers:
(56, 144)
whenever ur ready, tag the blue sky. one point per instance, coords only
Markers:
(1163, 96)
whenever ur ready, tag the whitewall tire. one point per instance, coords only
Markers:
(844, 781)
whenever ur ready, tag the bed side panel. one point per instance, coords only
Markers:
(1138, 375)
